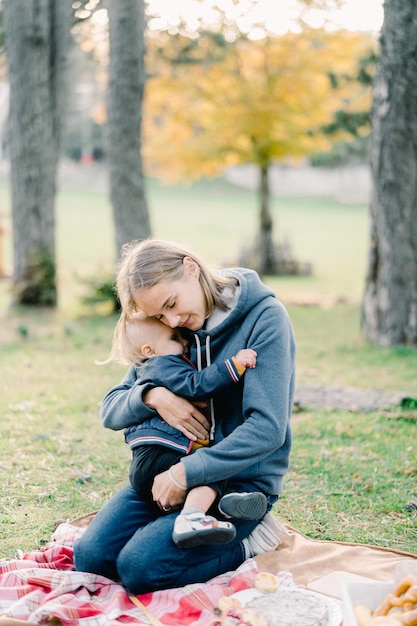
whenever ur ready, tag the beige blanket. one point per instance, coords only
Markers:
(310, 561)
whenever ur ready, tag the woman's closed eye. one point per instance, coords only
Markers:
(168, 307)
(161, 316)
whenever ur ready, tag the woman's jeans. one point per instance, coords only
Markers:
(129, 540)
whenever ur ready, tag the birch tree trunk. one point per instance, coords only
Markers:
(389, 309)
(37, 38)
(125, 95)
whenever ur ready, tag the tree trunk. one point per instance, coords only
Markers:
(389, 311)
(266, 244)
(125, 95)
(37, 37)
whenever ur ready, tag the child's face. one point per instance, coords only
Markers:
(168, 340)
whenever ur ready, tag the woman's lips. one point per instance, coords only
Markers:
(186, 323)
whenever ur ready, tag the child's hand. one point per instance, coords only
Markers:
(247, 357)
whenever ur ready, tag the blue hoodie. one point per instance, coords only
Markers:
(252, 439)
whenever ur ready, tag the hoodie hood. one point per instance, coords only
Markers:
(253, 295)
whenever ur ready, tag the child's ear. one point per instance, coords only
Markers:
(147, 351)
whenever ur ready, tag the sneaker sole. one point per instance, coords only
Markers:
(248, 506)
(209, 537)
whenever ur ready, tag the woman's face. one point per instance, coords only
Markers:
(176, 303)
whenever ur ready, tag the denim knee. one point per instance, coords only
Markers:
(81, 556)
(84, 558)
(88, 558)
(134, 574)
(165, 566)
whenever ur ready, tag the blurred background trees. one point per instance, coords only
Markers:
(38, 41)
(215, 97)
(37, 44)
(261, 101)
(389, 312)
(124, 105)
(219, 92)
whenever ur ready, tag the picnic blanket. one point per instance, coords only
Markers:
(43, 586)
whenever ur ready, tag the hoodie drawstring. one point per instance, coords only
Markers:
(211, 401)
(198, 344)
(199, 368)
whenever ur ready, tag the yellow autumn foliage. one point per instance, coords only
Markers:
(263, 101)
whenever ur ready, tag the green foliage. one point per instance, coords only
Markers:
(22, 330)
(343, 153)
(409, 404)
(37, 284)
(101, 291)
(363, 75)
(366, 68)
(351, 122)
(354, 122)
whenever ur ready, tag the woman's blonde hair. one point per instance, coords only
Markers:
(145, 263)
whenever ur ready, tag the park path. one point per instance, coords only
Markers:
(347, 398)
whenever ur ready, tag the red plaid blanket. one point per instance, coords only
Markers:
(43, 585)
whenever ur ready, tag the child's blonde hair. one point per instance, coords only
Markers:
(129, 336)
(145, 263)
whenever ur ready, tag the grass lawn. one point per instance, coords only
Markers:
(352, 474)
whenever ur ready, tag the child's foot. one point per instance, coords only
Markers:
(197, 529)
(245, 505)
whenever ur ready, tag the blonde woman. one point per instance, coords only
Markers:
(130, 539)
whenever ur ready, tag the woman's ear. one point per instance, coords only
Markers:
(191, 267)
(147, 351)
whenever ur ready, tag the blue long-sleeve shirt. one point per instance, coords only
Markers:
(177, 373)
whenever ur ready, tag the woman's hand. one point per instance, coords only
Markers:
(178, 412)
(165, 492)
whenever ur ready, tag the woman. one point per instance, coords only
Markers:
(130, 539)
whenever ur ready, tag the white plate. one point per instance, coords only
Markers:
(334, 607)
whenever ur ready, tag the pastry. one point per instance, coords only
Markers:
(266, 582)
(230, 612)
(399, 607)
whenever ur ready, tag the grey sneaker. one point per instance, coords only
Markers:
(196, 529)
(265, 537)
(245, 505)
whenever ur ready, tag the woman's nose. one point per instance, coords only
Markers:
(172, 319)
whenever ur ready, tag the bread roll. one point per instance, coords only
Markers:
(266, 582)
